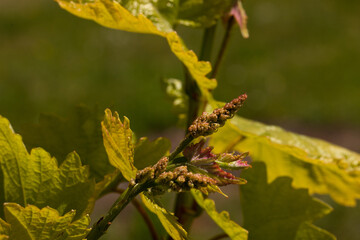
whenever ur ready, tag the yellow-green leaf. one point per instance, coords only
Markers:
(118, 143)
(36, 178)
(321, 167)
(222, 219)
(167, 219)
(32, 223)
(111, 14)
(4, 229)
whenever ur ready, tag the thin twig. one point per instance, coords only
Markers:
(223, 47)
(219, 236)
(188, 138)
(207, 43)
(144, 215)
(101, 226)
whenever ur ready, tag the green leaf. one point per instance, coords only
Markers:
(308, 231)
(4, 229)
(162, 13)
(231, 228)
(203, 13)
(278, 211)
(32, 223)
(80, 133)
(167, 219)
(118, 143)
(149, 152)
(112, 14)
(36, 178)
(322, 167)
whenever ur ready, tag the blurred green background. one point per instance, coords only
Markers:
(300, 68)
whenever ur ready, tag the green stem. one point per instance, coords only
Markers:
(100, 227)
(207, 43)
(186, 209)
(143, 214)
(195, 103)
(188, 138)
(194, 96)
(223, 47)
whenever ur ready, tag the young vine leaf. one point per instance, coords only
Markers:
(81, 132)
(4, 230)
(32, 223)
(196, 13)
(167, 219)
(118, 143)
(222, 219)
(36, 178)
(149, 152)
(278, 211)
(308, 231)
(142, 19)
(322, 167)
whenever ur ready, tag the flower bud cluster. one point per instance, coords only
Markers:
(213, 164)
(181, 180)
(208, 123)
(149, 173)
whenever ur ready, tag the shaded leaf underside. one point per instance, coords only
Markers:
(149, 152)
(277, 211)
(80, 133)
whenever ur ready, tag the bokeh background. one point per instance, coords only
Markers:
(300, 68)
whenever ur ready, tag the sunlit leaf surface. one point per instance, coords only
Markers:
(321, 167)
(278, 211)
(118, 143)
(32, 223)
(167, 219)
(36, 178)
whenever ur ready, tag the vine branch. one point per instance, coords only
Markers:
(101, 226)
(144, 215)
(186, 208)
